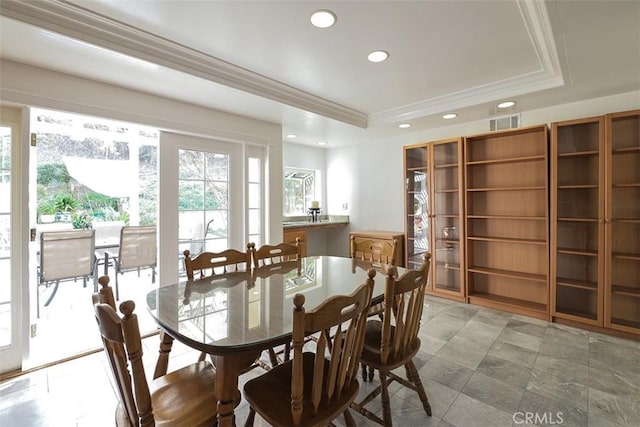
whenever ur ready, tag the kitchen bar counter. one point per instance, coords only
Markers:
(325, 221)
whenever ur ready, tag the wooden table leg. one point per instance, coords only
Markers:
(166, 342)
(227, 372)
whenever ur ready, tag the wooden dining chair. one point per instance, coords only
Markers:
(317, 386)
(211, 263)
(373, 250)
(393, 341)
(183, 397)
(274, 254)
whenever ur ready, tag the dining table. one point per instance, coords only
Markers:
(235, 316)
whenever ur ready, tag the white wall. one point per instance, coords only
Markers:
(369, 177)
(307, 157)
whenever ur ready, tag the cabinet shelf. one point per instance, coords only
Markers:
(628, 185)
(506, 160)
(630, 256)
(574, 219)
(508, 273)
(447, 287)
(578, 187)
(626, 220)
(577, 313)
(573, 251)
(448, 190)
(590, 153)
(449, 242)
(626, 150)
(446, 166)
(580, 284)
(501, 217)
(446, 215)
(508, 240)
(625, 322)
(626, 290)
(528, 188)
(448, 265)
(417, 169)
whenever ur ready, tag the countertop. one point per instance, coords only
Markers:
(325, 221)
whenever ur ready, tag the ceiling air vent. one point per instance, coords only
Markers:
(504, 122)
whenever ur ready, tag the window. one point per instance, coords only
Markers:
(299, 190)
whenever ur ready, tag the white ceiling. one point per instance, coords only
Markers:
(263, 59)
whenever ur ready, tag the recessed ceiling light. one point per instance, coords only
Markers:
(323, 18)
(322, 142)
(378, 56)
(506, 104)
(404, 125)
(450, 116)
(291, 135)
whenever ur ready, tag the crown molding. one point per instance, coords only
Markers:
(536, 20)
(77, 22)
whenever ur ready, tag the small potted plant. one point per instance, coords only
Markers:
(47, 211)
(66, 204)
(81, 220)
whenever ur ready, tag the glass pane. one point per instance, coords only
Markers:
(190, 195)
(216, 245)
(218, 227)
(217, 167)
(217, 195)
(5, 302)
(254, 221)
(254, 169)
(191, 164)
(254, 196)
(5, 237)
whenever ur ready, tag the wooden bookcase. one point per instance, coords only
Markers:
(595, 221)
(506, 199)
(434, 203)
(577, 220)
(622, 222)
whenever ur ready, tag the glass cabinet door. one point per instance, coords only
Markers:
(623, 222)
(577, 265)
(446, 207)
(417, 204)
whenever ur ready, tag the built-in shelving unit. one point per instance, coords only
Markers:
(595, 227)
(577, 220)
(434, 213)
(507, 220)
(622, 222)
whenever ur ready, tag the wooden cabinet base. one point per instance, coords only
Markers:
(511, 305)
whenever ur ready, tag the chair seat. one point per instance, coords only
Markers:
(185, 397)
(371, 351)
(272, 391)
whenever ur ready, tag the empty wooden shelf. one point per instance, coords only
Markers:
(506, 239)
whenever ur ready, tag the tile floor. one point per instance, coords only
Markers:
(480, 367)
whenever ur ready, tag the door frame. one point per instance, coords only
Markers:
(169, 145)
(11, 356)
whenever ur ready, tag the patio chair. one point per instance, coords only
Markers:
(138, 249)
(65, 255)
